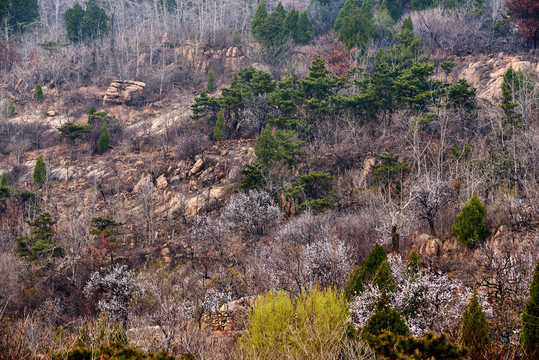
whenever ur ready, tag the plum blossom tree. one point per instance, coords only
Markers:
(117, 288)
(428, 301)
(254, 213)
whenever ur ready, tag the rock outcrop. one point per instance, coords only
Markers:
(123, 91)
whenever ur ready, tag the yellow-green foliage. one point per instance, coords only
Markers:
(313, 326)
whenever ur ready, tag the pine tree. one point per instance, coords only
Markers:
(530, 317)
(474, 330)
(356, 26)
(38, 93)
(304, 29)
(259, 19)
(104, 139)
(24, 12)
(40, 172)
(359, 276)
(95, 21)
(385, 317)
(4, 10)
(345, 10)
(73, 17)
(38, 244)
(210, 81)
(86, 24)
(470, 228)
(219, 130)
(291, 24)
(384, 277)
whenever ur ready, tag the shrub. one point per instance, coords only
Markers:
(315, 327)
(3, 180)
(38, 93)
(530, 317)
(40, 172)
(104, 139)
(470, 228)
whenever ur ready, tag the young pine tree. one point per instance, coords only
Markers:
(474, 330)
(38, 93)
(3, 180)
(210, 81)
(470, 228)
(40, 172)
(530, 318)
(219, 131)
(104, 139)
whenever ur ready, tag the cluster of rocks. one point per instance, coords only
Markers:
(230, 318)
(123, 91)
(232, 58)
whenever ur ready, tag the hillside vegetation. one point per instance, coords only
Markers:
(350, 179)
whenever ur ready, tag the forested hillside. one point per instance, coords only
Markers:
(249, 179)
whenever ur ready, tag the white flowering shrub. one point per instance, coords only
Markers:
(326, 262)
(254, 213)
(428, 301)
(117, 288)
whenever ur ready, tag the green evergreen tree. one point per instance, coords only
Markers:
(280, 11)
(3, 180)
(73, 131)
(259, 19)
(210, 80)
(513, 83)
(530, 317)
(236, 37)
(394, 8)
(470, 228)
(73, 18)
(86, 24)
(205, 105)
(40, 172)
(104, 139)
(266, 147)
(95, 21)
(474, 330)
(38, 93)
(39, 243)
(385, 318)
(345, 10)
(384, 277)
(106, 226)
(4, 11)
(219, 130)
(291, 24)
(9, 108)
(356, 26)
(422, 4)
(254, 176)
(304, 30)
(361, 275)
(23, 13)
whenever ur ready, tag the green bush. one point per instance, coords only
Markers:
(530, 318)
(113, 351)
(313, 327)
(104, 139)
(470, 228)
(386, 318)
(38, 93)
(86, 24)
(3, 180)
